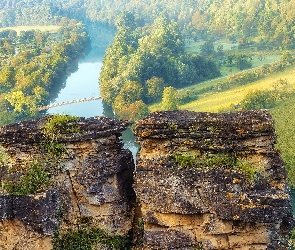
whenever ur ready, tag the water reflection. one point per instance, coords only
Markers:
(129, 141)
(84, 83)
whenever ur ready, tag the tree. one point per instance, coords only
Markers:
(23, 106)
(155, 87)
(169, 99)
(17, 100)
(243, 61)
(130, 93)
(166, 34)
(287, 57)
(117, 56)
(6, 79)
(134, 111)
(207, 48)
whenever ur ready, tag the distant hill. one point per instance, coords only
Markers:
(21, 12)
(263, 21)
(268, 23)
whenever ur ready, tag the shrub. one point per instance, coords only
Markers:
(34, 180)
(85, 239)
(55, 126)
(260, 99)
(60, 124)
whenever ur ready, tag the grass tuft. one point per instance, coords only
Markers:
(209, 161)
(36, 179)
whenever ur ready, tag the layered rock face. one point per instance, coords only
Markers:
(90, 184)
(211, 181)
(202, 181)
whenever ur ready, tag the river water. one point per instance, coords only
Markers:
(81, 84)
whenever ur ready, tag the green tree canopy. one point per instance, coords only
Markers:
(149, 60)
(169, 99)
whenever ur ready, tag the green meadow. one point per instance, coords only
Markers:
(218, 101)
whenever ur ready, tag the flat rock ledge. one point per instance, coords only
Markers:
(187, 205)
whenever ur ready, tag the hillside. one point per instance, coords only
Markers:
(264, 22)
(284, 116)
(217, 101)
(267, 23)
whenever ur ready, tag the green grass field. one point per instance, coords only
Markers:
(194, 47)
(224, 100)
(18, 29)
(284, 117)
(267, 56)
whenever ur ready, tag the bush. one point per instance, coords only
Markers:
(260, 99)
(60, 124)
(34, 180)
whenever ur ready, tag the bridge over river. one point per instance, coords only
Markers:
(88, 99)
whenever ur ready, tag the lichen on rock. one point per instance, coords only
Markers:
(197, 165)
(90, 177)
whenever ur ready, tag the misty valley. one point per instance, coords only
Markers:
(147, 61)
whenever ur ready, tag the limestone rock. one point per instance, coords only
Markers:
(218, 207)
(92, 183)
(202, 181)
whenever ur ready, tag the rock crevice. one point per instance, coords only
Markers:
(202, 181)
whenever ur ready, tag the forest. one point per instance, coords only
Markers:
(138, 66)
(33, 64)
(267, 23)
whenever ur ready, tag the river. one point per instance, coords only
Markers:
(84, 83)
(80, 84)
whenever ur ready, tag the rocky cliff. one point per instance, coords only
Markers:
(89, 187)
(202, 181)
(211, 181)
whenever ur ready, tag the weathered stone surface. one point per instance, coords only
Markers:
(168, 239)
(94, 181)
(14, 234)
(219, 197)
(39, 212)
(27, 133)
(183, 207)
